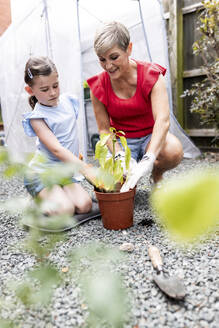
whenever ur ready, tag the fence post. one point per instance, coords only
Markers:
(176, 56)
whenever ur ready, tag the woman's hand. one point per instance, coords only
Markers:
(143, 168)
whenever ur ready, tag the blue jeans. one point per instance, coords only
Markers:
(138, 146)
(35, 185)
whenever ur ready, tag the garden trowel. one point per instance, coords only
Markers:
(170, 285)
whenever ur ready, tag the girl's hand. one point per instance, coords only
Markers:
(90, 173)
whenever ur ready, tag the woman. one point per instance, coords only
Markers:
(131, 96)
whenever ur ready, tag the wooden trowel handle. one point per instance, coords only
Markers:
(155, 257)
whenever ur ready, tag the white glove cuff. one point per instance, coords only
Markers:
(149, 156)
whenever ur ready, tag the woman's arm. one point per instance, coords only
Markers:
(48, 138)
(160, 109)
(103, 120)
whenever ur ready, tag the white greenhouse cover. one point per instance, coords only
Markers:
(64, 31)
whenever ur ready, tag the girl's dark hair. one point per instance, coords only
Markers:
(36, 66)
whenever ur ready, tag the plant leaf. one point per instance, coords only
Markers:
(106, 297)
(101, 152)
(15, 205)
(104, 137)
(127, 157)
(118, 171)
(4, 157)
(123, 142)
(6, 323)
(188, 205)
(24, 292)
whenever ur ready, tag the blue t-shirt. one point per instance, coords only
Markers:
(62, 121)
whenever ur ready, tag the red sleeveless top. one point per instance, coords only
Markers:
(134, 115)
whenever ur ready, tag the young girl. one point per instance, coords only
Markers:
(53, 121)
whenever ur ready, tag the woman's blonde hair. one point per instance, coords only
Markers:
(110, 35)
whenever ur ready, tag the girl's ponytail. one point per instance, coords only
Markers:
(32, 101)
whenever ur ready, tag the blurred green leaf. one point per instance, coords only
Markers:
(103, 290)
(60, 174)
(25, 292)
(54, 222)
(32, 245)
(4, 156)
(14, 169)
(39, 286)
(188, 205)
(6, 323)
(46, 275)
(15, 205)
(48, 278)
(104, 179)
(96, 252)
(106, 298)
(85, 84)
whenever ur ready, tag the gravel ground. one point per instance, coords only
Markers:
(199, 268)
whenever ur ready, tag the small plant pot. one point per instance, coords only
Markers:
(116, 209)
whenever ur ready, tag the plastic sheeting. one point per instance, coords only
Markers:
(42, 28)
(146, 25)
(155, 29)
(91, 16)
(51, 28)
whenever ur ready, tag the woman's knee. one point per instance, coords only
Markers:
(176, 151)
(171, 154)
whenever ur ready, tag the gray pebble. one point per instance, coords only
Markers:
(150, 308)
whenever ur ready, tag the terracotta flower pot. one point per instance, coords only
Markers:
(116, 209)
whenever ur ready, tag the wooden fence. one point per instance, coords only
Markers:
(181, 17)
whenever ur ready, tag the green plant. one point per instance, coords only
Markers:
(102, 288)
(187, 205)
(86, 90)
(36, 287)
(85, 84)
(109, 164)
(205, 95)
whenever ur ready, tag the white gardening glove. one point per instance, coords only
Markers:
(143, 168)
(120, 155)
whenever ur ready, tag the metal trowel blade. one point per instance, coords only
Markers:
(171, 286)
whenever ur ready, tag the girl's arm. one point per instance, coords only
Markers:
(160, 109)
(48, 138)
(103, 120)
